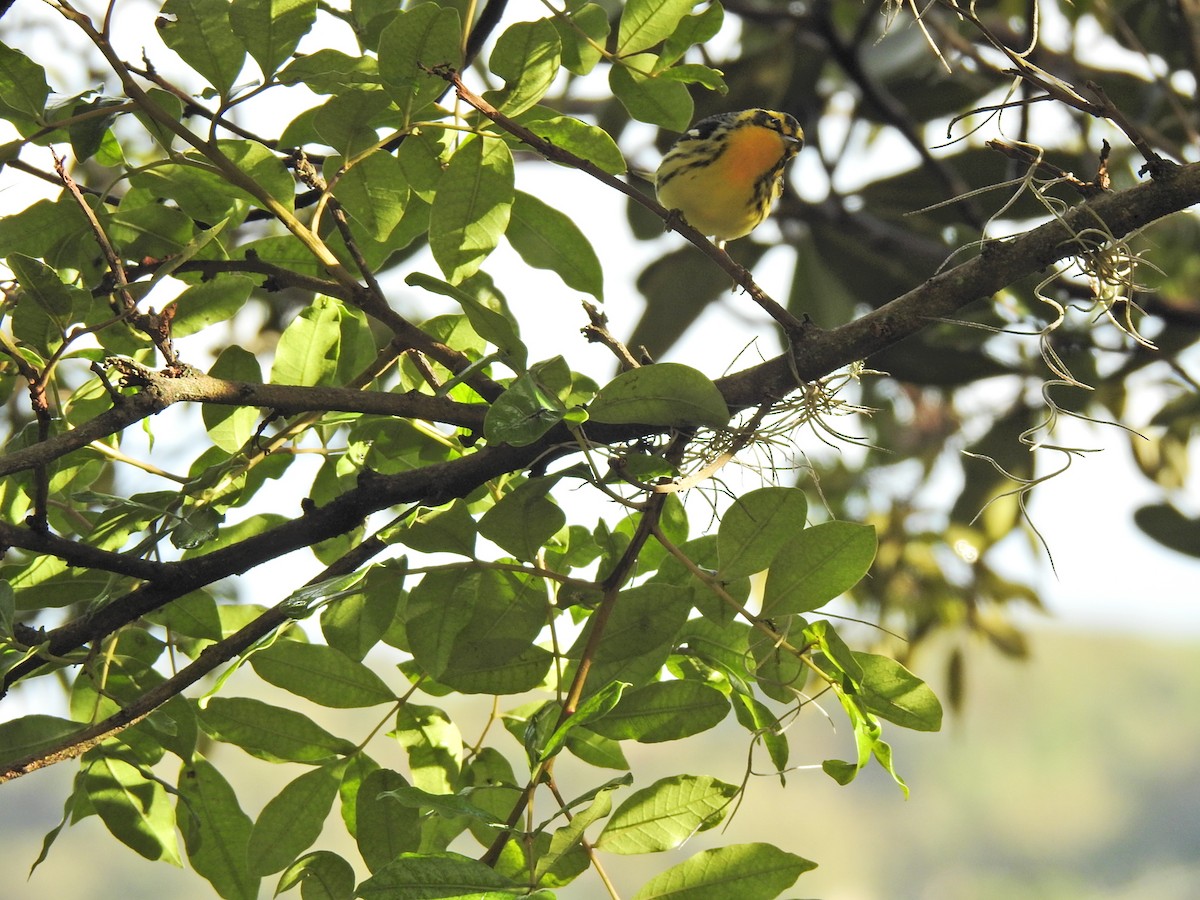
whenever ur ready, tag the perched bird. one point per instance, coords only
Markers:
(726, 171)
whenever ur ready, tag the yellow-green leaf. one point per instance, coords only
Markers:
(472, 207)
(548, 239)
(669, 394)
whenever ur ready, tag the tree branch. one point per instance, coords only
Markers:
(813, 355)
(1001, 264)
(161, 389)
(549, 150)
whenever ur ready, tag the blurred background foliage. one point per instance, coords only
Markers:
(897, 182)
(1009, 803)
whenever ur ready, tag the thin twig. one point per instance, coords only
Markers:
(790, 324)
(156, 325)
(596, 331)
(208, 660)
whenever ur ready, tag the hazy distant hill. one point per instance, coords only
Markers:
(1073, 777)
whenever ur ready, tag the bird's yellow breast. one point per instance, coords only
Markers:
(751, 153)
(724, 183)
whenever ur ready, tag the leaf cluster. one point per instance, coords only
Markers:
(484, 522)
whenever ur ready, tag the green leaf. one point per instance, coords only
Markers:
(667, 813)
(215, 831)
(358, 767)
(664, 711)
(196, 527)
(586, 141)
(174, 727)
(209, 302)
(321, 674)
(321, 345)
(639, 636)
(725, 647)
(745, 871)
(582, 32)
(496, 326)
(431, 875)
(447, 530)
(595, 707)
(882, 751)
(447, 805)
(645, 23)
(41, 285)
(867, 732)
(433, 744)
(356, 623)
(194, 615)
(756, 718)
(422, 158)
(331, 71)
(669, 394)
(425, 36)
(348, 122)
(548, 239)
(23, 87)
(570, 835)
(46, 229)
(384, 828)
(522, 414)
(1170, 527)
(474, 629)
(892, 692)
(839, 770)
(322, 875)
(263, 167)
(149, 230)
(169, 104)
(837, 659)
(199, 31)
(134, 808)
(696, 74)
(31, 734)
(92, 137)
(8, 612)
(373, 192)
(77, 806)
(818, 565)
(271, 29)
(269, 732)
(527, 57)
(757, 526)
(230, 427)
(202, 193)
(292, 819)
(659, 101)
(596, 751)
(524, 519)
(780, 674)
(472, 206)
(692, 30)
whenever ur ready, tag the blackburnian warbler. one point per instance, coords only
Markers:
(726, 171)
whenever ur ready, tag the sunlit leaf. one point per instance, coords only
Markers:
(199, 31)
(747, 871)
(472, 207)
(661, 394)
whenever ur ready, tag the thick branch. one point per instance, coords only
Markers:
(816, 354)
(207, 660)
(432, 485)
(999, 265)
(551, 151)
(162, 390)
